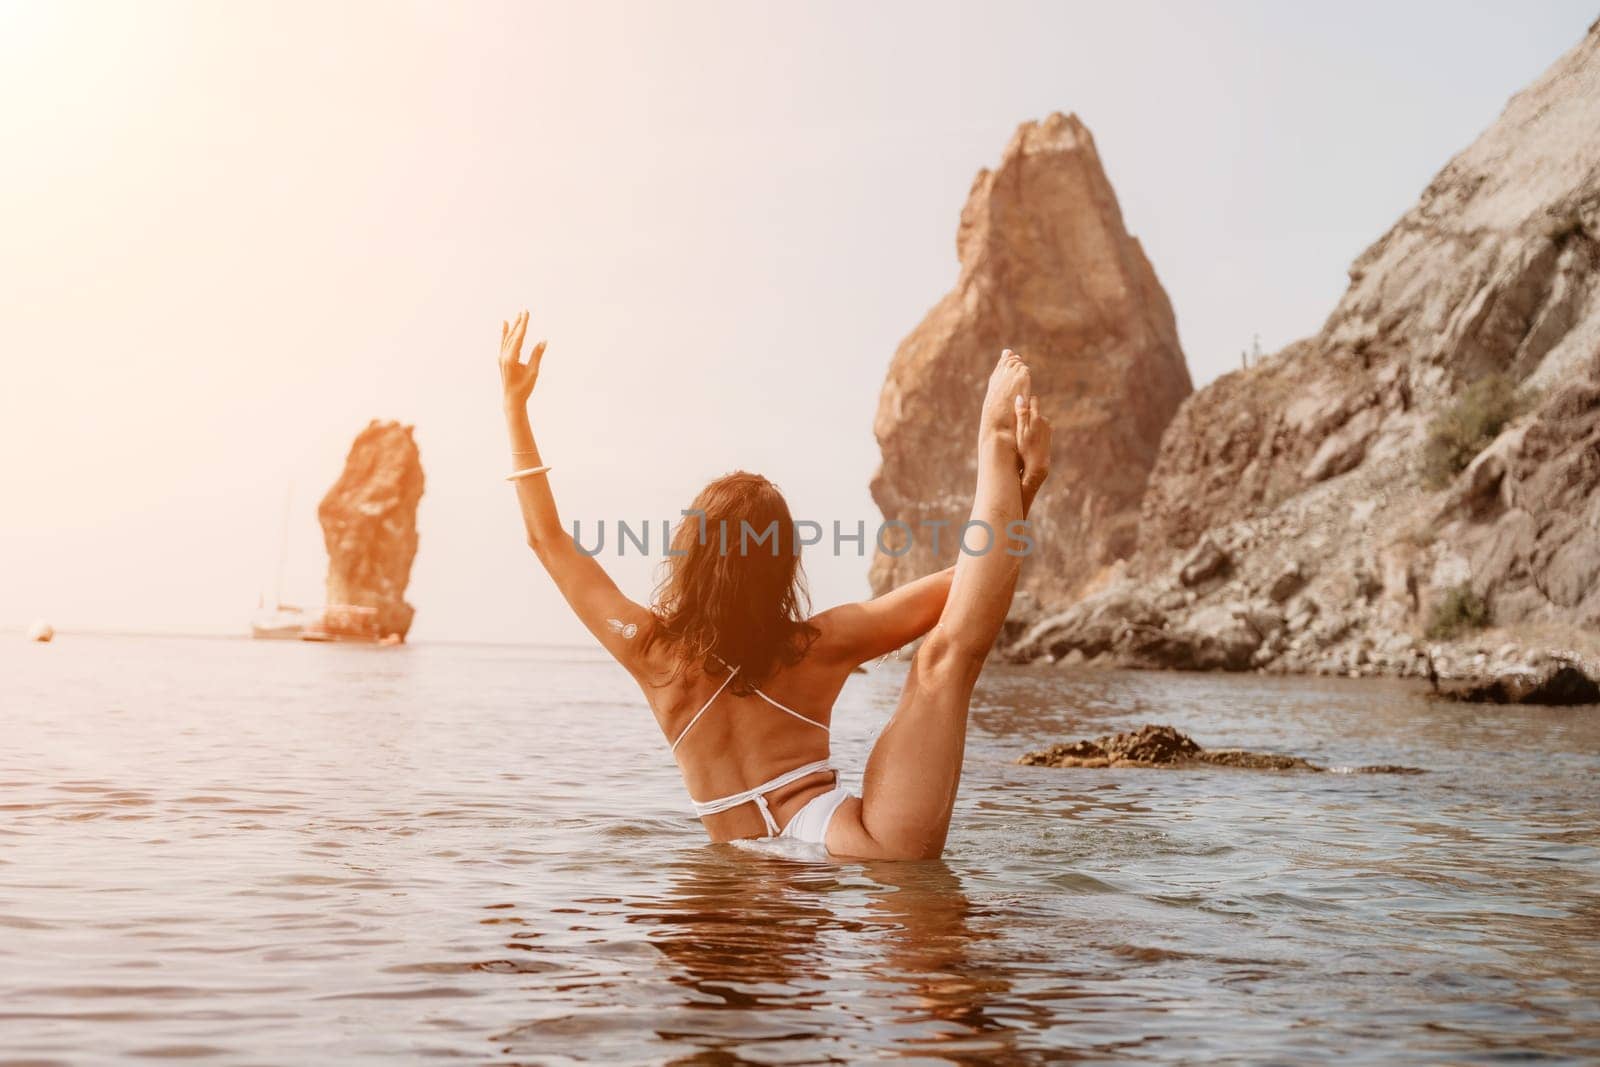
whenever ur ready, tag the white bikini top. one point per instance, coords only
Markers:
(757, 795)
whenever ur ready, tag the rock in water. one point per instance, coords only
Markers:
(1047, 269)
(1163, 746)
(369, 523)
(1566, 685)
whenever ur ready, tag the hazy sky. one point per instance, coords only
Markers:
(234, 233)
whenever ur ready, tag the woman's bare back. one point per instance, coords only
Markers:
(742, 740)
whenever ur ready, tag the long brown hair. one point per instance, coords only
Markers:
(733, 588)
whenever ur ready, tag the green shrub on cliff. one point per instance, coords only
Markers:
(1466, 427)
(1460, 611)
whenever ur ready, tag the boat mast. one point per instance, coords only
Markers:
(283, 549)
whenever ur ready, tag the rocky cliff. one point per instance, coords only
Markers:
(1047, 269)
(369, 524)
(1425, 465)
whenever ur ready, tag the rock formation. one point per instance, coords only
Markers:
(1564, 686)
(1163, 746)
(369, 524)
(1047, 269)
(1288, 523)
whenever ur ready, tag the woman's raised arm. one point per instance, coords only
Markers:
(589, 591)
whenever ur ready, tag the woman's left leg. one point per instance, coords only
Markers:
(915, 768)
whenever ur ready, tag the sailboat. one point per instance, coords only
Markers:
(283, 622)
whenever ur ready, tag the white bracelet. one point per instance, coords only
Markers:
(514, 475)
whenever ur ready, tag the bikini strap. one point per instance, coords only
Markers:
(757, 795)
(704, 708)
(766, 815)
(781, 707)
(790, 711)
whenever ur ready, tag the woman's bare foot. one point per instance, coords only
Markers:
(1033, 444)
(1009, 381)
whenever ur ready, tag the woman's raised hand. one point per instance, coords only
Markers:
(517, 377)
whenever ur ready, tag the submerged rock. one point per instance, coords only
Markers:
(1164, 746)
(1049, 269)
(369, 524)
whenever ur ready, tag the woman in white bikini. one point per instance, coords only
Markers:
(742, 682)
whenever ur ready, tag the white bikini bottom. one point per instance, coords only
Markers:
(810, 823)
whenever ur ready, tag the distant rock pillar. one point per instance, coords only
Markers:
(369, 524)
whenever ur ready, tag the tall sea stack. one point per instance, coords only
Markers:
(369, 524)
(1047, 269)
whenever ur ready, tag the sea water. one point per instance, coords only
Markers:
(239, 852)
